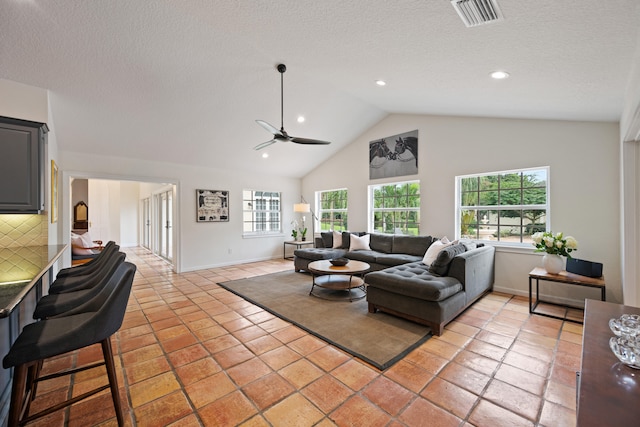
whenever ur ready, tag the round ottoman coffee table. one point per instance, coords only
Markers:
(338, 282)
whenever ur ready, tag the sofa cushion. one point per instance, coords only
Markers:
(396, 259)
(364, 256)
(327, 239)
(414, 280)
(316, 254)
(412, 245)
(381, 242)
(359, 243)
(442, 262)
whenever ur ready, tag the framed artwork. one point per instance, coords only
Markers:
(212, 206)
(54, 192)
(395, 155)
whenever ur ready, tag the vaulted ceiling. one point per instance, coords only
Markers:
(184, 81)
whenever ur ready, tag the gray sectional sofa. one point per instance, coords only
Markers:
(400, 283)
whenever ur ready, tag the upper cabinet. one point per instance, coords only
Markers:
(22, 172)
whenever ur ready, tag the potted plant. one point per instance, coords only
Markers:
(303, 234)
(294, 233)
(554, 246)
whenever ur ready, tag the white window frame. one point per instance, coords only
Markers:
(546, 206)
(318, 202)
(251, 213)
(372, 210)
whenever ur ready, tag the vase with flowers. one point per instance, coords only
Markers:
(555, 246)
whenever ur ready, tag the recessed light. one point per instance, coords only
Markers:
(265, 155)
(499, 75)
(381, 83)
(300, 119)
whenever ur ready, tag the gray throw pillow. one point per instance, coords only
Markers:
(327, 239)
(441, 265)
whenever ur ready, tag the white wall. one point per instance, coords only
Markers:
(584, 161)
(200, 245)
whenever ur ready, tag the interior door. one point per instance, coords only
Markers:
(165, 220)
(98, 207)
(146, 223)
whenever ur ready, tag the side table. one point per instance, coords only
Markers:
(297, 243)
(565, 278)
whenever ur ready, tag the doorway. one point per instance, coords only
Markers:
(131, 212)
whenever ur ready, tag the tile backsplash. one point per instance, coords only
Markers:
(23, 230)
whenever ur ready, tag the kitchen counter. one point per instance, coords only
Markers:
(21, 268)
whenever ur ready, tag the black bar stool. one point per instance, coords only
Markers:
(54, 336)
(85, 281)
(58, 304)
(89, 267)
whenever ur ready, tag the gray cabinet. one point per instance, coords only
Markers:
(22, 169)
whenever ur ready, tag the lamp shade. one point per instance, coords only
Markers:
(302, 207)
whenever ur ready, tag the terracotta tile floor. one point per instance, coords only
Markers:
(190, 353)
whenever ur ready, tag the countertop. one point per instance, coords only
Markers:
(20, 270)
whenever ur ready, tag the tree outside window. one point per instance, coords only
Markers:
(396, 208)
(503, 206)
(333, 210)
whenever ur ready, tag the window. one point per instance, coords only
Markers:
(261, 212)
(333, 210)
(503, 206)
(395, 208)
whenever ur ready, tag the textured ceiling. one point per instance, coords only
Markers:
(183, 81)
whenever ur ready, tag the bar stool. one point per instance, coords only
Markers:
(57, 304)
(89, 267)
(85, 281)
(47, 338)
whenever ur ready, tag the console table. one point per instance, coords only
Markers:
(608, 390)
(297, 243)
(565, 278)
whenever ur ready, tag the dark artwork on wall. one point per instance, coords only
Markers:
(212, 206)
(395, 155)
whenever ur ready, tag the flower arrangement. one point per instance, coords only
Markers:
(555, 244)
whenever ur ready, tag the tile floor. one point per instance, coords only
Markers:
(192, 354)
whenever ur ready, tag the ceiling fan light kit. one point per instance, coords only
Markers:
(282, 135)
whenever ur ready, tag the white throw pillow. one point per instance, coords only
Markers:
(434, 250)
(78, 245)
(87, 241)
(359, 242)
(337, 239)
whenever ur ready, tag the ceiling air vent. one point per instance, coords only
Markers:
(477, 12)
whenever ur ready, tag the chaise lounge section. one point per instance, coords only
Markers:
(413, 291)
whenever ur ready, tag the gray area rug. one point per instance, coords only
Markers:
(379, 339)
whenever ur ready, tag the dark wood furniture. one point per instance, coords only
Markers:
(608, 390)
(81, 216)
(22, 165)
(564, 278)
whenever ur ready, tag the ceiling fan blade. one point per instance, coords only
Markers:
(265, 144)
(308, 141)
(268, 127)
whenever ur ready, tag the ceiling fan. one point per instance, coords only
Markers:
(282, 135)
